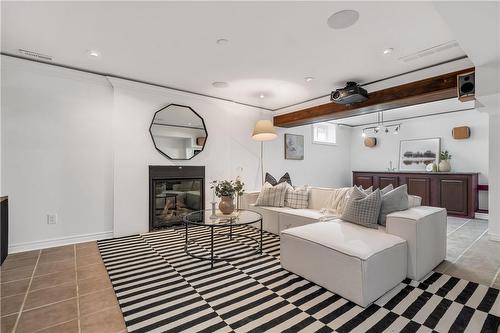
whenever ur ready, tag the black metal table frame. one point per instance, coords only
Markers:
(212, 259)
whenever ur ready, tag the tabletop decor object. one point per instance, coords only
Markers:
(226, 190)
(444, 161)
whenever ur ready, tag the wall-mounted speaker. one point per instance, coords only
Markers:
(466, 86)
(370, 142)
(462, 132)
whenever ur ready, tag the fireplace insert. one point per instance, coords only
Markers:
(174, 192)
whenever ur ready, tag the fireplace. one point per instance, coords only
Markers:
(174, 191)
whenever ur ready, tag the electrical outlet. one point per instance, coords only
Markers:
(51, 218)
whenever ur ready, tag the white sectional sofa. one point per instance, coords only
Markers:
(358, 263)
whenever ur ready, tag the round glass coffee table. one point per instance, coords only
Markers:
(238, 218)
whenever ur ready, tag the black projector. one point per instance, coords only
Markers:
(351, 93)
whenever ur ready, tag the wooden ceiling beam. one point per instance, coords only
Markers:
(418, 92)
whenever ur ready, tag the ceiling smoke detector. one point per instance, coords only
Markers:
(36, 55)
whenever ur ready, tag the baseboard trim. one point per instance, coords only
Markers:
(494, 237)
(46, 243)
(481, 216)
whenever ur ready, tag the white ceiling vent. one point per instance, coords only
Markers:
(35, 55)
(430, 51)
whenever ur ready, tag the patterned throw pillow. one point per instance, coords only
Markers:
(393, 201)
(271, 180)
(366, 191)
(362, 208)
(273, 196)
(297, 198)
(386, 189)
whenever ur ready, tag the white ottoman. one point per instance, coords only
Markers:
(424, 229)
(357, 263)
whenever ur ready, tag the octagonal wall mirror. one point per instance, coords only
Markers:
(178, 132)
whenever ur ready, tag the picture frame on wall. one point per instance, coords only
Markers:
(294, 147)
(417, 154)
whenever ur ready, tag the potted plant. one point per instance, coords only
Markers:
(226, 190)
(444, 161)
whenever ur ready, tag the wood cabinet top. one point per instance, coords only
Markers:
(417, 172)
(3, 198)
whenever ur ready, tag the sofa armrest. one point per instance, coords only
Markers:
(414, 201)
(248, 198)
(424, 229)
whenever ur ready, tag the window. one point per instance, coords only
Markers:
(325, 133)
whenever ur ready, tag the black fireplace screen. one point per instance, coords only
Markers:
(174, 198)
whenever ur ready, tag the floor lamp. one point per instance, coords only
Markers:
(263, 131)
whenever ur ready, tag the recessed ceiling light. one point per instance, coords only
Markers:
(343, 19)
(388, 50)
(308, 78)
(220, 84)
(93, 53)
(222, 41)
(262, 95)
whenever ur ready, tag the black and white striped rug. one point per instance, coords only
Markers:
(161, 289)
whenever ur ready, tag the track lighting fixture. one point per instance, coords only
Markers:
(394, 128)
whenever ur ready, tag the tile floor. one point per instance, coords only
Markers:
(471, 255)
(66, 289)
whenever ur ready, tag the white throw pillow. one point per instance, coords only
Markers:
(297, 198)
(273, 196)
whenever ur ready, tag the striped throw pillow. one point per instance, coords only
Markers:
(273, 196)
(297, 198)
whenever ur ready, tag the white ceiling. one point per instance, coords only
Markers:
(409, 112)
(272, 45)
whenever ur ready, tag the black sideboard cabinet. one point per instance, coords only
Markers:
(4, 228)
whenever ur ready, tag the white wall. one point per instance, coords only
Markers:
(56, 153)
(494, 213)
(323, 165)
(229, 147)
(78, 145)
(469, 155)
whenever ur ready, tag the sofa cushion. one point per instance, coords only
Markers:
(414, 201)
(345, 237)
(273, 196)
(319, 197)
(297, 197)
(393, 201)
(363, 209)
(307, 213)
